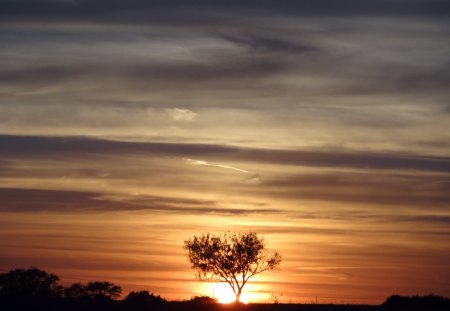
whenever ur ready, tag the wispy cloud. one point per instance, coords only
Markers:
(178, 114)
(253, 180)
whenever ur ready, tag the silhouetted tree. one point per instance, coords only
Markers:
(30, 282)
(230, 258)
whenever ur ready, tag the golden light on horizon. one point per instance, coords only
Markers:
(224, 294)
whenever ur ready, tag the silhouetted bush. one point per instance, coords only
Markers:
(203, 300)
(143, 298)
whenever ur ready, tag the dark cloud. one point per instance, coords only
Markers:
(154, 11)
(152, 75)
(45, 75)
(82, 262)
(47, 146)
(392, 78)
(391, 190)
(267, 43)
(377, 216)
(337, 158)
(37, 200)
(427, 218)
(424, 80)
(355, 231)
(228, 72)
(261, 49)
(76, 147)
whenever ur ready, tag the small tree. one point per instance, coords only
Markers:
(230, 258)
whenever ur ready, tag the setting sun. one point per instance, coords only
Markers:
(223, 293)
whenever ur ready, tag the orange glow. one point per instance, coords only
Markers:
(130, 229)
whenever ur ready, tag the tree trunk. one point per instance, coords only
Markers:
(238, 295)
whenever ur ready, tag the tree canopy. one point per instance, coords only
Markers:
(232, 258)
(31, 282)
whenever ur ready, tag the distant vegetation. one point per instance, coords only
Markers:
(35, 289)
(430, 302)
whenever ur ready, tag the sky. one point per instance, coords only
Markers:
(127, 127)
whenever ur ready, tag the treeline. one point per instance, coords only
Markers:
(35, 283)
(416, 303)
(35, 289)
(40, 284)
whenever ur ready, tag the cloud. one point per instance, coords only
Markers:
(74, 147)
(184, 58)
(204, 163)
(257, 42)
(37, 200)
(392, 190)
(178, 114)
(252, 180)
(164, 12)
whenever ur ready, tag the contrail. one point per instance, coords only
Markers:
(204, 163)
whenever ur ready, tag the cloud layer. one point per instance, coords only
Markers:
(73, 147)
(359, 74)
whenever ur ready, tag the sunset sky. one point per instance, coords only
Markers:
(127, 127)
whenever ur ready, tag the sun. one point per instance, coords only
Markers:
(223, 293)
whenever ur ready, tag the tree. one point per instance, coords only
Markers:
(232, 258)
(30, 282)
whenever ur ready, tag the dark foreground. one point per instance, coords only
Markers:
(35, 289)
(428, 303)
